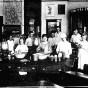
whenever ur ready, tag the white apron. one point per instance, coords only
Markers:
(83, 55)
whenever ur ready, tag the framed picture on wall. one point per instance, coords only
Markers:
(50, 10)
(61, 9)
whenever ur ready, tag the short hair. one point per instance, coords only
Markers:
(30, 32)
(44, 35)
(75, 29)
(21, 39)
(53, 31)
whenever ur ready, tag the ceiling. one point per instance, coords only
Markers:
(67, 0)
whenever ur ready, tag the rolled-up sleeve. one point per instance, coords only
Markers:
(70, 49)
(58, 48)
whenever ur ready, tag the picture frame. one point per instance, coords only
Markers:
(50, 10)
(61, 9)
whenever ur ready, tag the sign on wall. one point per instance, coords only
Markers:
(50, 10)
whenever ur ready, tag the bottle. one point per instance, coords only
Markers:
(36, 42)
(51, 57)
(55, 56)
(13, 56)
(59, 56)
(9, 56)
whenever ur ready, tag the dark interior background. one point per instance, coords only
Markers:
(32, 10)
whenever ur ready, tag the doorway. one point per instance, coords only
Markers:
(51, 25)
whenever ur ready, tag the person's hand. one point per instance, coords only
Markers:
(23, 52)
(19, 51)
(40, 50)
(76, 43)
(47, 52)
(79, 46)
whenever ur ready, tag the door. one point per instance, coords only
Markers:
(51, 25)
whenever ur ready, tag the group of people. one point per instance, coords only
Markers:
(56, 44)
(18, 45)
(80, 42)
(63, 47)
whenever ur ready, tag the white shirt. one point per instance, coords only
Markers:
(44, 47)
(52, 41)
(76, 38)
(58, 37)
(16, 40)
(83, 54)
(64, 47)
(10, 45)
(22, 48)
(29, 41)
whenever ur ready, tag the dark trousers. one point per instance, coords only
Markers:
(31, 51)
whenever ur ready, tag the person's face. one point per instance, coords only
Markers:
(76, 32)
(44, 39)
(84, 37)
(31, 35)
(58, 30)
(21, 41)
(53, 34)
(10, 37)
(63, 39)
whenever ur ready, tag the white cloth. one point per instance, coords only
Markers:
(36, 41)
(58, 37)
(16, 40)
(10, 45)
(64, 47)
(83, 55)
(76, 38)
(29, 41)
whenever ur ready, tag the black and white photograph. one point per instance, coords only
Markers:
(43, 43)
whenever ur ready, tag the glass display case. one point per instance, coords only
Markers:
(79, 19)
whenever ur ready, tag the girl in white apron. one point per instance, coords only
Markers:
(83, 53)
